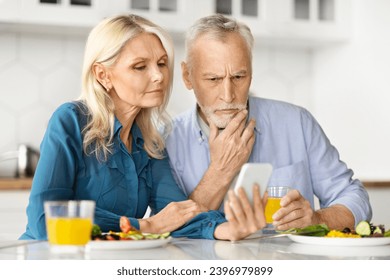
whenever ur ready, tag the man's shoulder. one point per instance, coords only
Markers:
(183, 118)
(272, 104)
(180, 135)
(183, 123)
(269, 107)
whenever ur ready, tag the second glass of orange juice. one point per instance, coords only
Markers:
(275, 194)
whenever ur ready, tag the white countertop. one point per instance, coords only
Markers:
(196, 249)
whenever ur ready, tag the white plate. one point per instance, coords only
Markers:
(127, 244)
(340, 251)
(340, 241)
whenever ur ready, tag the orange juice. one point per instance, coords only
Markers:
(69, 231)
(273, 205)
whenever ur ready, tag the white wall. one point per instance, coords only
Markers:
(352, 91)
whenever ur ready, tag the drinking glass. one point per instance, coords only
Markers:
(275, 195)
(69, 224)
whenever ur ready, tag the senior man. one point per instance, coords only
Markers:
(227, 127)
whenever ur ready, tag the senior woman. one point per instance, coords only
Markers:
(106, 147)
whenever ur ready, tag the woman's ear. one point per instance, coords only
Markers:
(101, 74)
(185, 73)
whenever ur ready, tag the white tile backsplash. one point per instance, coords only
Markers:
(8, 128)
(8, 43)
(41, 51)
(20, 87)
(60, 85)
(32, 125)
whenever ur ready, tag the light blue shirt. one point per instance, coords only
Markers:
(288, 137)
(124, 185)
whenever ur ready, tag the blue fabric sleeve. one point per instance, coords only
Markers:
(332, 179)
(201, 226)
(164, 187)
(165, 190)
(55, 173)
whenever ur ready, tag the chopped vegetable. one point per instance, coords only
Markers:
(312, 230)
(128, 232)
(96, 231)
(379, 229)
(363, 228)
(124, 224)
(337, 233)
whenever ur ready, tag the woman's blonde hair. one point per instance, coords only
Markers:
(104, 45)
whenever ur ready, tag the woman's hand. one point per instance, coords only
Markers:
(242, 218)
(173, 216)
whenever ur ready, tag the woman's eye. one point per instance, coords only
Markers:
(162, 64)
(139, 68)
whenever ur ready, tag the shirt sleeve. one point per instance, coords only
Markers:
(201, 226)
(165, 190)
(333, 181)
(56, 169)
(110, 221)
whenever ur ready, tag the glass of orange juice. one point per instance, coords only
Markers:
(275, 194)
(69, 224)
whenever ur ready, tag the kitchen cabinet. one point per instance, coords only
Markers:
(305, 23)
(14, 194)
(13, 219)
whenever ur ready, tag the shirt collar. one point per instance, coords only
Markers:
(135, 131)
(198, 133)
(254, 113)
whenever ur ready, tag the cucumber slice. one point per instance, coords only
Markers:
(363, 228)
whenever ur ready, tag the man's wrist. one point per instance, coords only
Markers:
(221, 175)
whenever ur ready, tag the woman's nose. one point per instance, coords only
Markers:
(157, 76)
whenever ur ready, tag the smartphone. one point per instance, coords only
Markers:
(252, 173)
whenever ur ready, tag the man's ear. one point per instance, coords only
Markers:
(185, 73)
(101, 74)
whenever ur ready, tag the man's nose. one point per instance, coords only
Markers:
(227, 94)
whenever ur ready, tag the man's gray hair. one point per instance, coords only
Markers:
(217, 26)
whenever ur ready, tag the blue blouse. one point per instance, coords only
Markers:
(124, 185)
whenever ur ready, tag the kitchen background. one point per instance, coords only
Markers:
(330, 56)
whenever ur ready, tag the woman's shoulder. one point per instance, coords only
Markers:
(71, 107)
(76, 110)
(69, 113)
